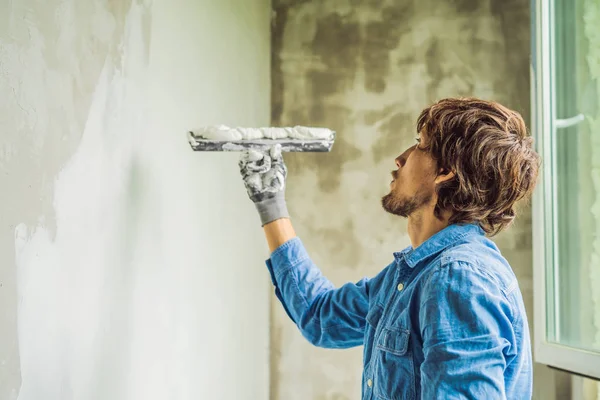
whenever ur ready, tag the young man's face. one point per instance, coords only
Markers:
(413, 184)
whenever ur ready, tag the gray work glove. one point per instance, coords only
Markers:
(264, 174)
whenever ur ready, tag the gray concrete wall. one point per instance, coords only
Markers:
(366, 69)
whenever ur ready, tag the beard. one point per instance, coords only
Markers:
(403, 207)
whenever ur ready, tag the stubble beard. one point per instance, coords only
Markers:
(403, 207)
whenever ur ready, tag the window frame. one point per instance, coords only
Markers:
(571, 359)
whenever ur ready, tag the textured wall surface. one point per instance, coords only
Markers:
(51, 56)
(366, 69)
(117, 279)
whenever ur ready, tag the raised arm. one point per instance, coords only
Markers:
(327, 316)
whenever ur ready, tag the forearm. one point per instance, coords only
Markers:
(278, 232)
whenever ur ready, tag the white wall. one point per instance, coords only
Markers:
(137, 271)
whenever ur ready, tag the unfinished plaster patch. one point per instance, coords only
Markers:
(65, 285)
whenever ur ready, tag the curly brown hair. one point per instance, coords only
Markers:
(487, 147)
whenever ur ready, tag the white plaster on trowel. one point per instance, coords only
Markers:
(225, 133)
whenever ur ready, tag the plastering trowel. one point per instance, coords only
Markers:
(291, 139)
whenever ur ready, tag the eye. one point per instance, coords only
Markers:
(418, 139)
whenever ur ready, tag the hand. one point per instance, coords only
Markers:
(264, 174)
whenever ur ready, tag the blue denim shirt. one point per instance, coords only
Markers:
(443, 321)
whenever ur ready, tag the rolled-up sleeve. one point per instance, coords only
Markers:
(327, 316)
(466, 333)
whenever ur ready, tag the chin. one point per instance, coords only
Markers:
(402, 207)
(391, 204)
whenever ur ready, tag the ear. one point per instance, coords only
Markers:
(443, 176)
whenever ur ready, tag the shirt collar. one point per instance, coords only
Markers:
(437, 243)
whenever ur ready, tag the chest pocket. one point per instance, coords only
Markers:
(394, 366)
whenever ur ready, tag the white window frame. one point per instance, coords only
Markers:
(571, 359)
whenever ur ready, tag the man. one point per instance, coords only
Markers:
(445, 320)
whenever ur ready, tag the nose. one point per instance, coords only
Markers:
(401, 159)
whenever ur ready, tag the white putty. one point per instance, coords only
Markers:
(73, 290)
(224, 133)
(138, 296)
(36, 66)
(50, 60)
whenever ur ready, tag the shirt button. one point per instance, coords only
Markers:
(400, 287)
(369, 383)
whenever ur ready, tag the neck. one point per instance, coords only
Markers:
(423, 224)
